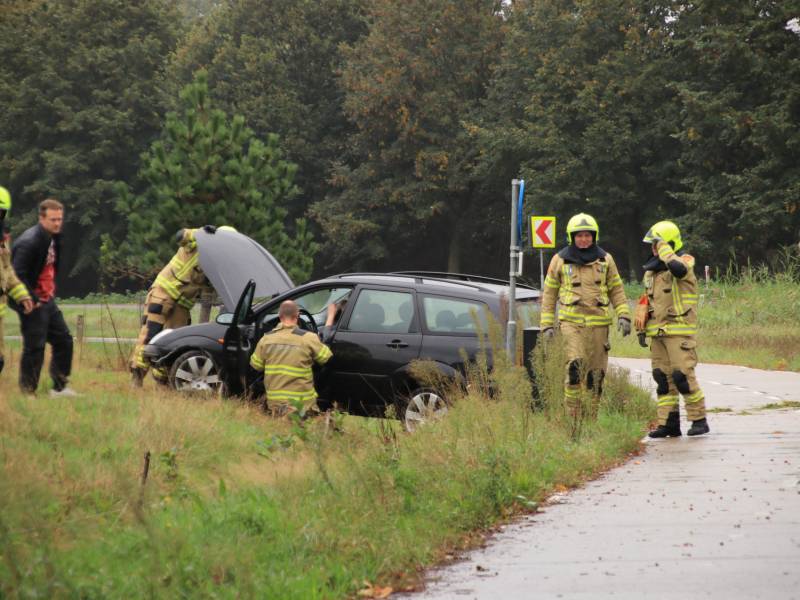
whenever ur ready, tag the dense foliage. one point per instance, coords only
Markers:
(406, 120)
(208, 169)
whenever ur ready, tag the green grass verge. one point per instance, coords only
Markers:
(240, 505)
(753, 322)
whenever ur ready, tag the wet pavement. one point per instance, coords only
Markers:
(716, 516)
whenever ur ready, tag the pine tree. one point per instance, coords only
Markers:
(208, 169)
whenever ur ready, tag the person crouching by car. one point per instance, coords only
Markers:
(286, 356)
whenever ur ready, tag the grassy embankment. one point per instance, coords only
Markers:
(752, 320)
(236, 504)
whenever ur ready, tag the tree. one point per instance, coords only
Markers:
(580, 108)
(276, 64)
(81, 98)
(736, 71)
(208, 169)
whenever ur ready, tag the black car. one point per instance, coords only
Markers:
(388, 321)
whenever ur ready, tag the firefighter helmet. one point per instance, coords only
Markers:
(665, 231)
(582, 222)
(5, 199)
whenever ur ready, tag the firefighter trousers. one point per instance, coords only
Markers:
(161, 312)
(586, 362)
(674, 359)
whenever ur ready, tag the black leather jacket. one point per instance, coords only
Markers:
(29, 255)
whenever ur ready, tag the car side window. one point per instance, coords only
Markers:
(451, 315)
(382, 311)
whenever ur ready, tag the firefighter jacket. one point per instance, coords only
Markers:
(9, 282)
(286, 355)
(585, 291)
(182, 279)
(672, 299)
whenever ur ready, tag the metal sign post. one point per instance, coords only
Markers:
(511, 324)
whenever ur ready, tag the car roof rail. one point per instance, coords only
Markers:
(418, 277)
(460, 277)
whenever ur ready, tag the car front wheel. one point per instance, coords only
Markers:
(195, 371)
(423, 405)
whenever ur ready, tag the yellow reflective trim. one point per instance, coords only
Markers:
(551, 282)
(667, 400)
(695, 397)
(290, 395)
(256, 363)
(3, 310)
(622, 309)
(19, 292)
(323, 355)
(566, 287)
(287, 370)
(190, 264)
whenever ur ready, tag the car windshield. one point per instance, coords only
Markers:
(317, 301)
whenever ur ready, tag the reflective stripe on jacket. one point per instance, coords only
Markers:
(585, 293)
(286, 356)
(672, 300)
(10, 284)
(182, 279)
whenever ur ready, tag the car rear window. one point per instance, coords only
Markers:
(382, 311)
(453, 315)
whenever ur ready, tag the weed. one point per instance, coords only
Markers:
(781, 405)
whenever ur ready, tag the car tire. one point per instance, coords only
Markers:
(195, 371)
(422, 405)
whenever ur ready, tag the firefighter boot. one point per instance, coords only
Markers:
(671, 429)
(698, 427)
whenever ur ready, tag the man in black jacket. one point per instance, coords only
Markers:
(35, 255)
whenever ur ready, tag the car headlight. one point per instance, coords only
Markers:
(159, 335)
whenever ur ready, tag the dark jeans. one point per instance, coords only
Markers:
(44, 325)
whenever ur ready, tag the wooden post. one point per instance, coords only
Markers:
(79, 329)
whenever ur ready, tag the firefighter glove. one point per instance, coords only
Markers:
(642, 339)
(209, 228)
(624, 326)
(548, 333)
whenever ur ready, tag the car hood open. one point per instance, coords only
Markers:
(231, 259)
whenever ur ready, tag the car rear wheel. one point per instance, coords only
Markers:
(195, 371)
(423, 405)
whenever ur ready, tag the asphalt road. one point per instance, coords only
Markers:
(717, 516)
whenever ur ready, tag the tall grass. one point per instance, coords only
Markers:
(748, 316)
(236, 504)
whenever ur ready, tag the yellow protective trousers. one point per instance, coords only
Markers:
(586, 362)
(674, 359)
(161, 312)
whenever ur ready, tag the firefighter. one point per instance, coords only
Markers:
(9, 282)
(670, 321)
(584, 279)
(171, 298)
(285, 356)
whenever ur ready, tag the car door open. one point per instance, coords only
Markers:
(238, 344)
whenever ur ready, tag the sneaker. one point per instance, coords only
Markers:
(66, 392)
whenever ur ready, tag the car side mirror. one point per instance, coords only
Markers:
(225, 318)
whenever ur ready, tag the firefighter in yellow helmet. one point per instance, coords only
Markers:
(286, 356)
(171, 297)
(670, 322)
(584, 279)
(9, 282)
